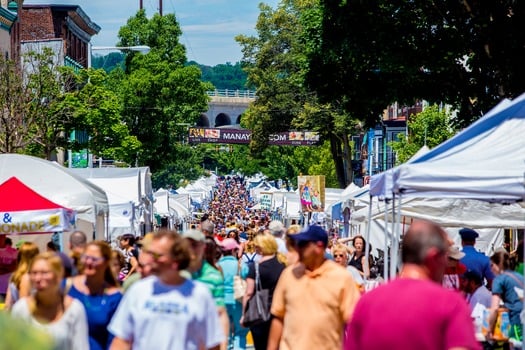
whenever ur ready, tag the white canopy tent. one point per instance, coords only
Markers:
(450, 212)
(130, 196)
(167, 205)
(52, 181)
(486, 161)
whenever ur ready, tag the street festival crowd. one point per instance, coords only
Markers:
(236, 274)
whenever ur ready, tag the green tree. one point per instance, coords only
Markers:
(428, 128)
(47, 117)
(276, 64)
(15, 119)
(368, 54)
(96, 110)
(161, 94)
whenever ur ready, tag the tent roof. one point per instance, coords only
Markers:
(55, 183)
(16, 196)
(382, 184)
(122, 185)
(485, 161)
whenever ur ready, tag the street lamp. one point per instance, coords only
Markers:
(139, 48)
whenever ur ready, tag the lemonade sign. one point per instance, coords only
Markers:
(35, 221)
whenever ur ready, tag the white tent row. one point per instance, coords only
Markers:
(200, 189)
(130, 197)
(175, 207)
(451, 212)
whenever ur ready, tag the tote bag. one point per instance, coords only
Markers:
(257, 309)
(239, 286)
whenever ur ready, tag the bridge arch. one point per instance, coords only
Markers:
(238, 121)
(203, 121)
(222, 119)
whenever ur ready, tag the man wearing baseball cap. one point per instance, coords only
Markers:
(313, 298)
(474, 260)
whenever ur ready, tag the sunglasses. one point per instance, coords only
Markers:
(339, 256)
(302, 244)
(154, 255)
(94, 259)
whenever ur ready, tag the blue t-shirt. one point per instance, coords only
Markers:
(229, 266)
(99, 311)
(503, 285)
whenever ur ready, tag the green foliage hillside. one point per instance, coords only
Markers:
(224, 76)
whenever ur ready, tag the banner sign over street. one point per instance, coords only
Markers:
(242, 136)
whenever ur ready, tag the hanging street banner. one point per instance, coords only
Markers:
(36, 221)
(243, 136)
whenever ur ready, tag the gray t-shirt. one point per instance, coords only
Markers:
(69, 332)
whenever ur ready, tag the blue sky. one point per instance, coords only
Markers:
(208, 26)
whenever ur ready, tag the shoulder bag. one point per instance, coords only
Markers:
(258, 307)
(239, 285)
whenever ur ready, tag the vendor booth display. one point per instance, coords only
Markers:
(23, 211)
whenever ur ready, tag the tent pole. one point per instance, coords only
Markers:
(385, 252)
(108, 238)
(398, 234)
(367, 245)
(393, 240)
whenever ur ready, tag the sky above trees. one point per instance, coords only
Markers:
(209, 26)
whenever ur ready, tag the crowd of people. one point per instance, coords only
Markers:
(192, 289)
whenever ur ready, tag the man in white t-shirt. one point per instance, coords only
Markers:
(167, 311)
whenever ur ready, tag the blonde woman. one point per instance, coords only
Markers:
(270, 270)
(19, 284)
(340, 254)
(61, 316)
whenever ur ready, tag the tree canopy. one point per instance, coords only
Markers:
(276, 63)
(368, 54)
(160, 93)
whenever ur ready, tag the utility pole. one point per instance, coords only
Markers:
(141, 6)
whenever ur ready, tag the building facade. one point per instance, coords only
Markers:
(63, 27)
(9, 29)
(372, 154)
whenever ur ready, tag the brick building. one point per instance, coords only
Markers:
(66, 24)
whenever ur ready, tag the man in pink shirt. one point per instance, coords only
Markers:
(8, 256)
(414, 311)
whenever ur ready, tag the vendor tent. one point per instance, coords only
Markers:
(130, 197)
(53, 182)
(168, 206)
(23, 211)
(486, 161)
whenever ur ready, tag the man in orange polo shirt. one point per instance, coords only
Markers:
(313, 298)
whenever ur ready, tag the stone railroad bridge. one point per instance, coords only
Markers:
(226, 108)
